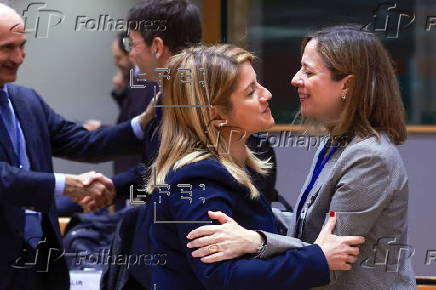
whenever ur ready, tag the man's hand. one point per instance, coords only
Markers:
(91, 190)
(229, 239)
(340, 251)
(150, 111)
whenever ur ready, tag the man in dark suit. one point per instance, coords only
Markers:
(177, 26)
(30, 134)
(131, 101)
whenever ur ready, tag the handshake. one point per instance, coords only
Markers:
(91, 190)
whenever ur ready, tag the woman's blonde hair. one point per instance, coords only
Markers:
(200, 77)
(374, 101)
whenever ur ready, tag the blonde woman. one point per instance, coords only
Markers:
(211, 94)
(347, 84)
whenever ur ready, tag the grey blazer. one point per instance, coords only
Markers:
(366, 184)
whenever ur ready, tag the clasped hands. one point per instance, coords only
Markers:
(91, 190)
(214, 243)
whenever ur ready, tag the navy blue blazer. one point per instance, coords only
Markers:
(167, 219)
(135, 175)
(47, 134)
(131, 102)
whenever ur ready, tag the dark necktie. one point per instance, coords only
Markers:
(32, 229)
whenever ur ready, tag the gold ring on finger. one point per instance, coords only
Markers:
(213, 249)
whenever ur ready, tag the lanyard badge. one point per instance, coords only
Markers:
(302, 206)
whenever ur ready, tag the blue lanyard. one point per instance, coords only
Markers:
(315, 174)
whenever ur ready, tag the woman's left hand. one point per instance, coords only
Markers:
(222, 242)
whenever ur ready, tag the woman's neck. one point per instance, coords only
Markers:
(237, 149)
(239, 153)
(330, 125)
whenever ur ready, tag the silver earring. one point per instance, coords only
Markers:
(344, 96)
(222, 124)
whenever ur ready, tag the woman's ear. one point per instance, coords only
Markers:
(212, 112)
(218, 120)
(347, 83)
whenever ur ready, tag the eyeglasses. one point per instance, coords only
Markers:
(127, 44)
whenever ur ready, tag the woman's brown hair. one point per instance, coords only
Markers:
(373, 103)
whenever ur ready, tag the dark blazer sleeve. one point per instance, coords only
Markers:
(74, 142)
(26, 188)
(296, 269)
(134, 176)
(49, 134)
